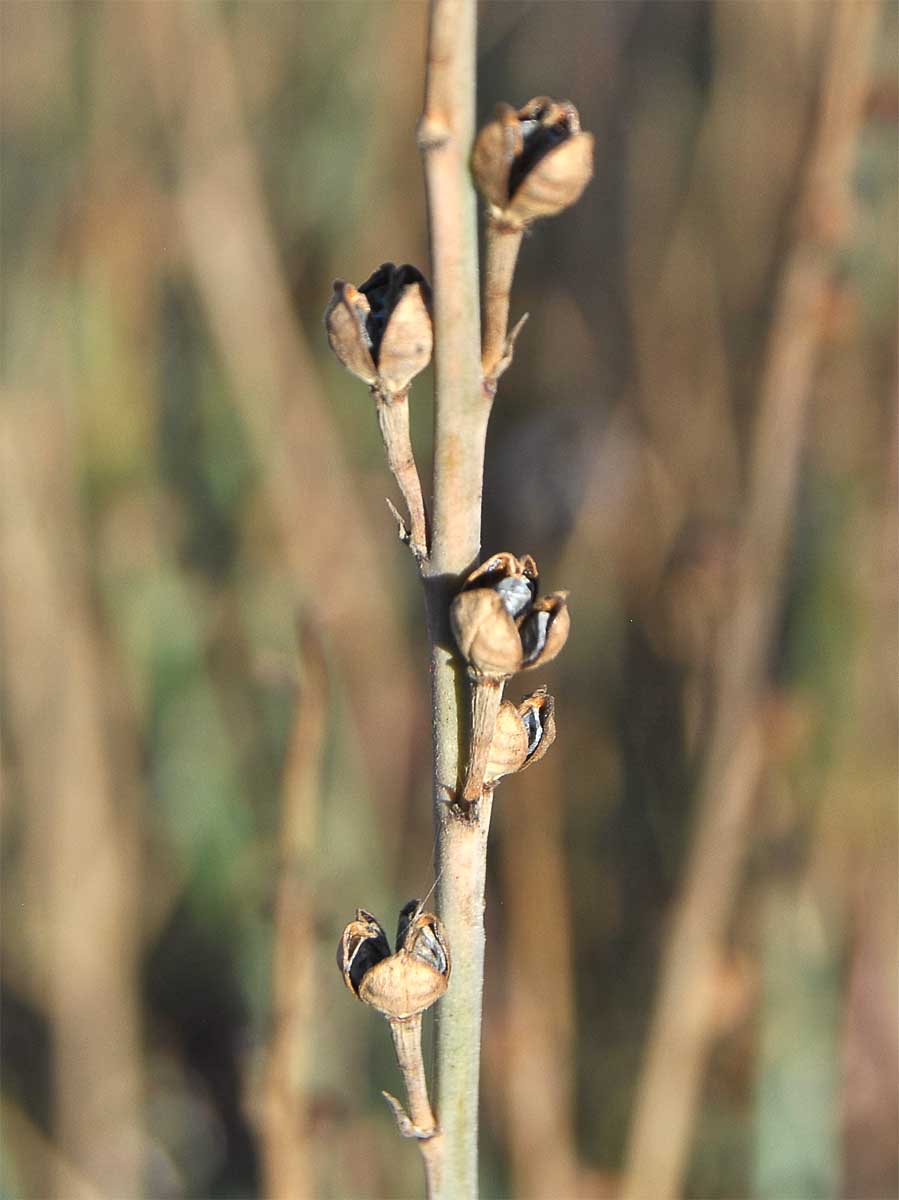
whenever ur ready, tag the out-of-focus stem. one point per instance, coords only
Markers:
(502, 244)
(681, 1030)
(77, 814)
(461, 412)
(287, 1147)
(393, 418)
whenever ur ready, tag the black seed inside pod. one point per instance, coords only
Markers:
(533, 727)
(427, 948)
(364, 955)
(538, 141)
(408, 913)
(533, 634)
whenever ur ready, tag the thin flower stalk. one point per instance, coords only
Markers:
(485, 623)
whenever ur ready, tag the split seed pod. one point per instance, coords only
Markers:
(402, 984)
(382, 330)
(537, 714)
(499, 625)
(533, 162)
(523, 734)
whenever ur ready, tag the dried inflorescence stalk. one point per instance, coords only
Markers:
(529, 163)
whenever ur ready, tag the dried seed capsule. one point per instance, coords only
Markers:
(402, 984)
(537, 714)
(346, 320)
(523, 734)
(544, 630)
(421, 935)
(499, 625)
(363, 945)
(382, 331)
(533, 162)
(509, 748)
(486, 633)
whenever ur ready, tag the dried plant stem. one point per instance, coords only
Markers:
(502, 244)
(680, 1033)
(393, 419)
(406, 1036)
(486, 697)
(77, 816)
(288, 1157)
(446, 132)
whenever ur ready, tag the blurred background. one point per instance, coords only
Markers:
(214, 686)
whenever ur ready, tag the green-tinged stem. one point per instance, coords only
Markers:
(446, 133)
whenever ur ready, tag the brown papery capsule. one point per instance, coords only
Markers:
(402, 984)
(484, 614)
(544, 630)
(362, 945)
(486, 633)
(408, 339)
(498, 598)
(509, 748)
(496, 148)
(534, 162)
(345, 321)
(382, 331)
(416, 976)
(537, 715)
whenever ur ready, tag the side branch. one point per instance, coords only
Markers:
(393, 419)
(503, 243)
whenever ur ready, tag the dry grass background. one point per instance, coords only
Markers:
(213, 688)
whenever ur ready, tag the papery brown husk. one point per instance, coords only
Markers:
(486, 633)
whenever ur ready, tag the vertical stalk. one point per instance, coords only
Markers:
(446, 132)
(287, 1143)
